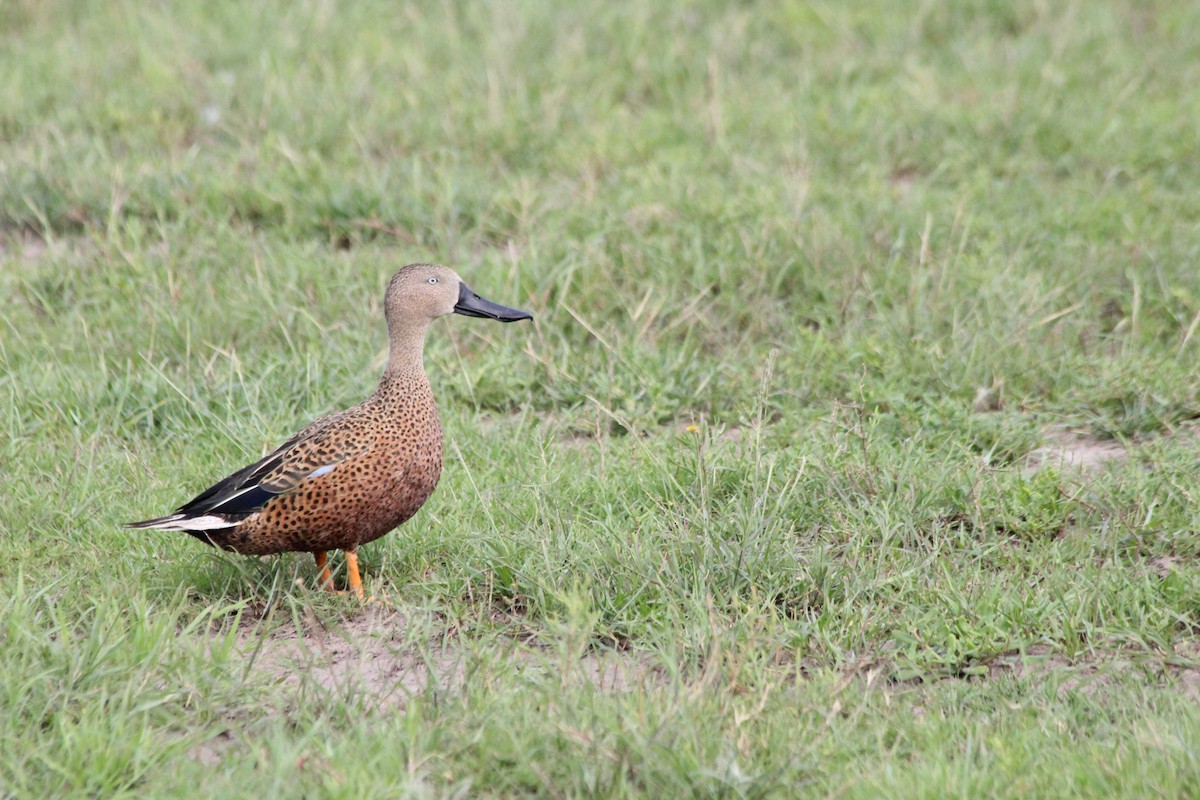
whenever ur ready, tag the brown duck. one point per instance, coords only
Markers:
(351, 477)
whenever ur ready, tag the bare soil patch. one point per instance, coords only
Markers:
(372, 654)
(377, 655)
(24, 247)
(1072, 450)
(385, 657)
(1067, 449)
(1091, 674)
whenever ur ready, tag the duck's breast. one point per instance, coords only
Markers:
(408, 444)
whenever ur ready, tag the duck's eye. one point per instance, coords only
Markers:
(432, 281)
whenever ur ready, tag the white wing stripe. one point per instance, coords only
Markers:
(208, 522)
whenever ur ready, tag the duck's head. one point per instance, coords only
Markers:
(428, 291)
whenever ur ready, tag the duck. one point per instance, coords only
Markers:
(351, 477)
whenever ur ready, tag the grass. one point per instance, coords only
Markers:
(774, 252)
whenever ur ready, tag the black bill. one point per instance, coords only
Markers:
(472, 305)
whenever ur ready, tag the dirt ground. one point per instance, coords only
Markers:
(1071, 450)
(376, 654)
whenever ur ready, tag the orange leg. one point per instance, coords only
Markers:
(352, 573)
(325, 579)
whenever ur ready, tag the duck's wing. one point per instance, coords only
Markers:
(306, 456)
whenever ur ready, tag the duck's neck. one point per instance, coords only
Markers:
(406, 348)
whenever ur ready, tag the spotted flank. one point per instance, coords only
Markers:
(349, 478)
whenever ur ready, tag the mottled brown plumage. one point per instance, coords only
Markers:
(351, 477)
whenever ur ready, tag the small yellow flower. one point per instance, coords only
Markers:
(692, 428)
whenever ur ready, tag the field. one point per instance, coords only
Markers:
(853, 451)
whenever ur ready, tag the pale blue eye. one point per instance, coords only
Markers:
(432, 281)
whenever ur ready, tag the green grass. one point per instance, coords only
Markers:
(774, 250)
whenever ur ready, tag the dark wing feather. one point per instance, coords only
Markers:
(250, 488)
(230, 495)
